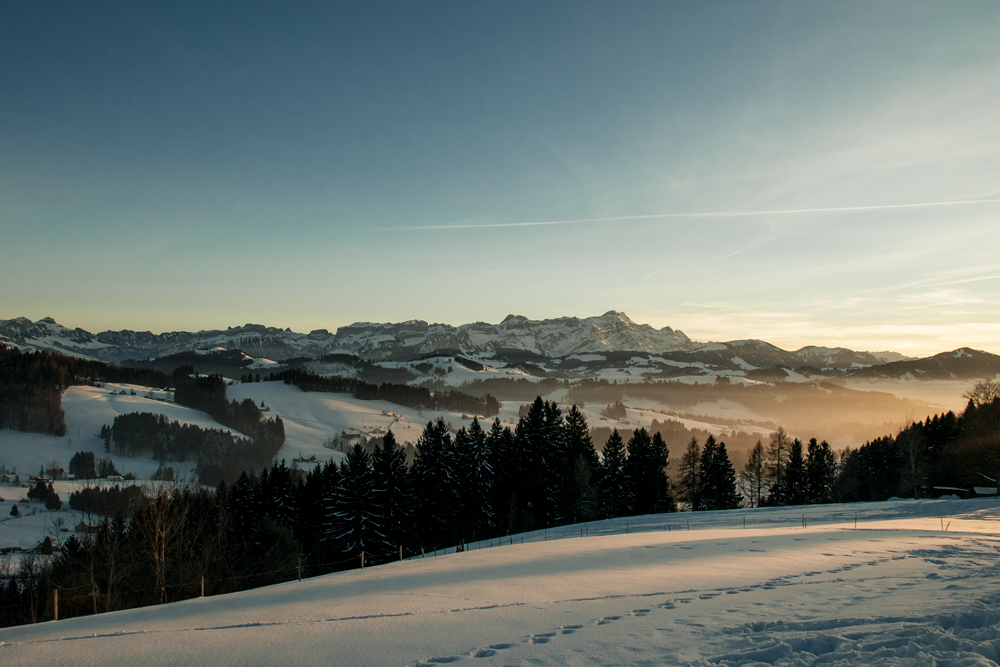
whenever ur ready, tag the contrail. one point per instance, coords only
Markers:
(711, 214)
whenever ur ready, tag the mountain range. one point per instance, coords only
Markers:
(561, 338)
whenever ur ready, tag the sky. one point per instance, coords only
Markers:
(804, 173)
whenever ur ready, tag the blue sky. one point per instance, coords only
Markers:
(193, 166)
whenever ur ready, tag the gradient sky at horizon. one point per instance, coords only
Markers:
(186, 166)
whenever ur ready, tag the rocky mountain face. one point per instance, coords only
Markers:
(557, 337)
(611, 332)
(608, 339)
(118, 346)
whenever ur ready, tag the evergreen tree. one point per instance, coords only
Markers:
(690, 484)
(354, 525)
(389, 496)
(753, 475)
(728, 497)
(797, 484)
(646, 473)
(241, 509)
(777, 456)
(821, 472)
(329, 548)
(280, 496)
(538, 444)
(578, 501)
(615, 497)
(477, 479)
(504, 464)
(665, 501)
(718, 479)
(708, 481)
(434, 487)
(52, 500)
(83, 465)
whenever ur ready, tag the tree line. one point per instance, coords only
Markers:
(31, 385)
(219, 455)
(944, 453)
(406, 395)
(478, 485)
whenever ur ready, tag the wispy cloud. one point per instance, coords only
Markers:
(702, 214)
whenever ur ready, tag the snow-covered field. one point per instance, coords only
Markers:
(312, 418)
(914, 584)
(86, 410)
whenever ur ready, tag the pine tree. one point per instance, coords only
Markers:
(821, 472)
(708, 481)
(690, 484)
(615, 497)
(434, 487)
(353, 522)
(281, 496)
(728, 496)
(241, 508)
(389, 496)
(477, 479)
(753, 475)
(538, 446)
(796, 482)
(718, 479)
(329, 548)
(646, 472)
(777, 457)
(580, 463)
(504, 464)
(664, 495)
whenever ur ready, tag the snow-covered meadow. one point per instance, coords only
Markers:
(914, 584)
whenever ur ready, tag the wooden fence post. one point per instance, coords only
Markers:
(55, 604)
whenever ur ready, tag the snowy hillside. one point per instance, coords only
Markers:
(897, 590)
(87, 409)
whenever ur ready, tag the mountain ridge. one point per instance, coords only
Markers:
(612, 332)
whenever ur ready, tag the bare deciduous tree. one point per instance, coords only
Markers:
(983, 392)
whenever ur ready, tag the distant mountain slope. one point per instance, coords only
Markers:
(839, 357)
(961, 364)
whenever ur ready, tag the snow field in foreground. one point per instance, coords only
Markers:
(899, 590)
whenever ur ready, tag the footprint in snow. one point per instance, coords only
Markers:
(482, 653)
